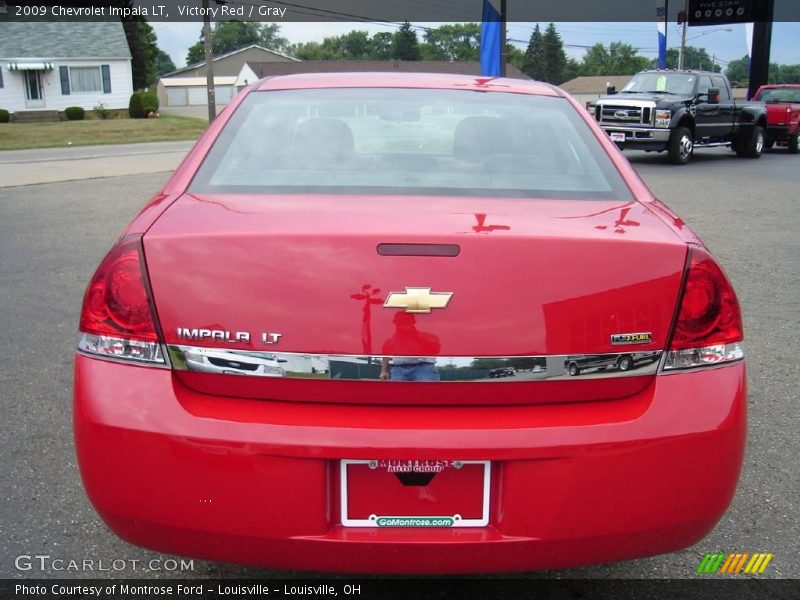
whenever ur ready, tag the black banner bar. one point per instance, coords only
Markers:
(391, 11)
(360, 588)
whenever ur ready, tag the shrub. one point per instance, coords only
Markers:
(101, 112)
(4, 116)
(150, 101)
(74, 113)
(136, 106)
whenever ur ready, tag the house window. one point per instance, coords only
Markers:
(85, 79)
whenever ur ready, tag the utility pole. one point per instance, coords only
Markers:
(759, 54)
(683, 36)
(212, 104)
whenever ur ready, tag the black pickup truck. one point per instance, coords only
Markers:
(679, 111)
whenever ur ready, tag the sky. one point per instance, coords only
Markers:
(726, 43)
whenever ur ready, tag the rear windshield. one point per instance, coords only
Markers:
(780, 95)
(411, 142)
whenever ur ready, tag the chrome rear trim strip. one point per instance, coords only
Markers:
(294, 365)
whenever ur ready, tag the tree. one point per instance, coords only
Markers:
(785, 73)
(196, 53)
(514, 56)
(405, 45)
(269, 37)
(572, 69)
(163, 63)
(356, 45)
(618, 59)
(489, 363)
(142, 43)
(738, 71)
(381, 45)
(534, 63)
(554, 56)
(431, 52)
(456, 41)
(693, 58)
(226, 37)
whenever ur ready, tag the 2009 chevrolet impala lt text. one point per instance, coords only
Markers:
(409, 324)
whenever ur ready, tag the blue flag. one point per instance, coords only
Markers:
(490, 40)
(661, 20)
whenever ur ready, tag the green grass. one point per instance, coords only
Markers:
(18, 136)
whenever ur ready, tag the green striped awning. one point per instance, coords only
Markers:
(30, 66)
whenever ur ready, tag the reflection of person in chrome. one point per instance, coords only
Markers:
(408, 340)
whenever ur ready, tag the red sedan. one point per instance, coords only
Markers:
(286, 359)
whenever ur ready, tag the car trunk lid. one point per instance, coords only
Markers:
(303, 274)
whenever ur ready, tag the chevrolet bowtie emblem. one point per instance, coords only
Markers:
(418, 300)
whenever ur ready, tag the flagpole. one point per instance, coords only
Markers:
(503, 20)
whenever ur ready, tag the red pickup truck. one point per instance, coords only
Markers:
(783, 114)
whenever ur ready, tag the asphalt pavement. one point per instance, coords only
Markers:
(52, 236)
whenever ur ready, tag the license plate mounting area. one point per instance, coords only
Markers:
(414, 493)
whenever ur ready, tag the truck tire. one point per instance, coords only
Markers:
(681, 146)
(753, 146)
(794, 143)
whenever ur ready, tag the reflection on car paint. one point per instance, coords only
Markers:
(450, 369)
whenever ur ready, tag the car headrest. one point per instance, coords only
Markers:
(324, 135)
(477, 137)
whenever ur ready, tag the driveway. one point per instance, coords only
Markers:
(48, 165)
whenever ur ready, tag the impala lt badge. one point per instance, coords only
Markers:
(223, 335)
(622, 339)
(418, 300)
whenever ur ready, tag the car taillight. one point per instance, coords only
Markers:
(117, 319)
(708, 328)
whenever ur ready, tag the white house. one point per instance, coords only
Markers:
(48, 66)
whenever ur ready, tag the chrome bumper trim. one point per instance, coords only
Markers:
(456, 369)
(655, 135)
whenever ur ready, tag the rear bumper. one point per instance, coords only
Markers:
(255, 482)
(778, 132)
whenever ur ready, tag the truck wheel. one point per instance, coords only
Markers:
(574, 370)
(794, 143)
(681, 146)
(751, 148)
(625, 363)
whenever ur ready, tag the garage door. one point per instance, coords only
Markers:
(198, 95)
(176, 96)
(223, 93)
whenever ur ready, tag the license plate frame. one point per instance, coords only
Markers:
(405, 521)
(618, 137)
